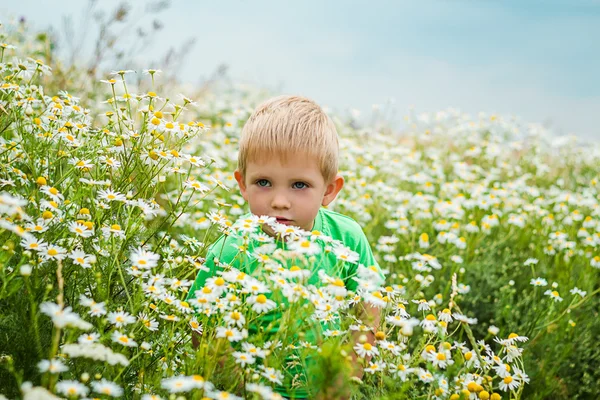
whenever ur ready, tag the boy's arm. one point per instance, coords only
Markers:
(371, 316)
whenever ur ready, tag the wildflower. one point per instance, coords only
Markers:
(429, 323)
(80, 230)
(345, 254)
(539, 282)
(71, 388)
(509, 382)
(243, 358)
(391, 347)
(512, 338)
(235, 318)
(107, 388)
(52, 252)
(424, 241)
(110, 195)
(79, 257)
(195, 325)
(305, 246)
(375, 366)
(123, 339)
(53, 193)
(31, 243)
(143, 259)
(62, 317)
(110, 162)
(81, 164)
(464, 319)
(88, 338)
(113, 231)
(578, 291)
(554, 295)
(178, 384)
(120, 318)
(530, 261)
(232, 334)
(366, 349)
(261, 304)
(272, 374)
(53, 366)
(149, 323)
(445, 315)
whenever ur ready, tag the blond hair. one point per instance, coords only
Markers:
(287, 125)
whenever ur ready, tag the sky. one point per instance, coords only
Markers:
(538, 60)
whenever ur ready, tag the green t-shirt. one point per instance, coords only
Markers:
(329, 223)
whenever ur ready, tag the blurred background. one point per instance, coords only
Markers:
(536, 60)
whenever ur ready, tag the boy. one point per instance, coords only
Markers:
(287, 169)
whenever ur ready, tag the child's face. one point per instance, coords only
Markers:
(292, 190)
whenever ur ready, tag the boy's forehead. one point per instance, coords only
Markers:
(289, 166)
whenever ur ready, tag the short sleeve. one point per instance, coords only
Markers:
(365, 257)
(208, 269)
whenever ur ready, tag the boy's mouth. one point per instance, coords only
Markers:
(284, 221)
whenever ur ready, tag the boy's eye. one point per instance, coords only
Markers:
(299, 185)
(263, 183)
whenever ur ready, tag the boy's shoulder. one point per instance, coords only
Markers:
(340, 226)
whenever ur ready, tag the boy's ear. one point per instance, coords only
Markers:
(332, 190)
(240, 180)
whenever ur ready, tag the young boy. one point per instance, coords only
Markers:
(287, 170)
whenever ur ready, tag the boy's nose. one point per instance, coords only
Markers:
(279, 201)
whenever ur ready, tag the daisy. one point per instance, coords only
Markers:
(88, 338)
(81, 163)
(80, 230)
(53, 193)
(373, 367)
(114, 230)
(144, 259)
(401, 371)
(225, 396)
(79, 257)
(509, 382)
(110, 195)
(177, 384)
(234, 318)
(107, 388)
(151, 397)
(53, 366)
(366, 349)
(305, 246)
(109, 161)
(149, 323)
(578, 291)
(390, 346)
(31, 243)
(195, 185)
(539, 282)
(261, 304)
(38, 227)
(252, 349)
(424, 241)
(72, 388)
(345, 254)
(243, 358)
(53, 252)
(123, 339)
(120, 318)
(196, 326)
(232, 334)
(554, 295)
